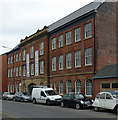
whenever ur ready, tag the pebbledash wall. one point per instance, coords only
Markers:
(68, 53)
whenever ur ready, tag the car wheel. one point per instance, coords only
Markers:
(34, 101)
(62, 104)
(21, 100)
(77, 106)
(14, 99)
(96, 109)
(48, 102)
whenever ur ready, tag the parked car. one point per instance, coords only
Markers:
(22, 96)
(106, 100)
(76, 100)
(10, 96)
(45, 95)
(5, 95)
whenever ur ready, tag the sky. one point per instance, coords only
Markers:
(21, 18)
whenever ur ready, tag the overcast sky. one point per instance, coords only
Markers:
(20, 18)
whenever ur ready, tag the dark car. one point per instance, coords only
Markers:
(76, 100)
(22, 96)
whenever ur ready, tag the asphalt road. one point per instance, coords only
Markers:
(29, 110)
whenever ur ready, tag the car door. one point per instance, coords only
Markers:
(43, 97)
(102, 100)
(109, 102)
(70, 100)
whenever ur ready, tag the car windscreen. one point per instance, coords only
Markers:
(50, 92)
(26, 94)
(79, 96)
(12, 93)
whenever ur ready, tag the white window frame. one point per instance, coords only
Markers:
(19, 87)
(55, 86)
(61, 87)
(78, 34)
(19, 70)
(60, 40)
(16, 71)
(32, 68)
(68, 38)
(8, 60)
(68, 86)
(24, 55)
(32, 51)
(87, 29)
(24, 69)
(41, 67)
(11, 87)
(61, 62)
(54, 64)
(78, 58)
(42, 48)
(78, 86)
(11, 72)
(68, 60)
(86, 87)
(8, 73)
(88, 56)
(16, 57)
(20, 56)
(54, 43)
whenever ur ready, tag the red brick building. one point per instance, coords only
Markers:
(3, 73)
(80, 44)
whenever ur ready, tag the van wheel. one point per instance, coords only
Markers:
(34, 101)
(48, 102)
(96, 109)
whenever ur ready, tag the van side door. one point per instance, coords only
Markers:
(43, 97)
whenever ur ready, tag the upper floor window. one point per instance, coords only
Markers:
(78, 58)
(32, 68)
(11, 72)
(68, 60)
(32, 51)
(41, 67)
(53, 43)
(87, 30)
(20, 71)
(68, 38)
(42, 48)
(8, 72)
(60, 62)
(11, 59)
(24, 70)
(16, 57)
(60, 41)
(88, 56)
(77, 34)
(16, 71)
(24, 54)
(19, 56)
(54, 64)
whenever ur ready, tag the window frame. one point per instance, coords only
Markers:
(42, 67)
(77, 58)
(68, 38)
(54, 64)
(90, 87)
(88, 55)
(69, 60)
(53, 43)
(61, 61)
(60, 41)
(77, 34)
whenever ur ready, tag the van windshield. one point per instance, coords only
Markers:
(50, 92)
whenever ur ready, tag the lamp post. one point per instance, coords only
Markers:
(13, 66)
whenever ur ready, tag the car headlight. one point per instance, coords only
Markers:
(81, 102)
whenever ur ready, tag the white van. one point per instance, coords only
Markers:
(45, 95)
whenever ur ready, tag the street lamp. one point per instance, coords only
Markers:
(13, 66)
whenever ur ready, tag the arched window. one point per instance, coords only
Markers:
(19, 87)
(68, 86)
(88, 87)
(61, 87)
(11, 88)
(16, 87)
(78, 86)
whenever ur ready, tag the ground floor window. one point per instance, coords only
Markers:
(19, 87)
(61, 87)
(16, 87)
(68, 86)
(8, 88)
(88, 87)
(78, 86)
(11, 88)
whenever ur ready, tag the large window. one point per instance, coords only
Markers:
(105, 85)
(68, 38)
(88, 56)
(54, 64)
(20, 71)
(61, 87)
(60, 41)
(11, 72)
(16, 57)
(68, 86)
(24, 54)
(8, 72)
(53, 43)
(54, 85)
(19, 87)
(16, 71)
(88, 87)
(24, 71)
(68, 60)
(11, 88)
(11, 59)
(32, 68)
(32, 51)
(78, 58)
(87, 30)
(16, 87)
(78, 86)
(42, 48)
(19, 56)
(77, 34)
(60, 62)
(41, 67)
